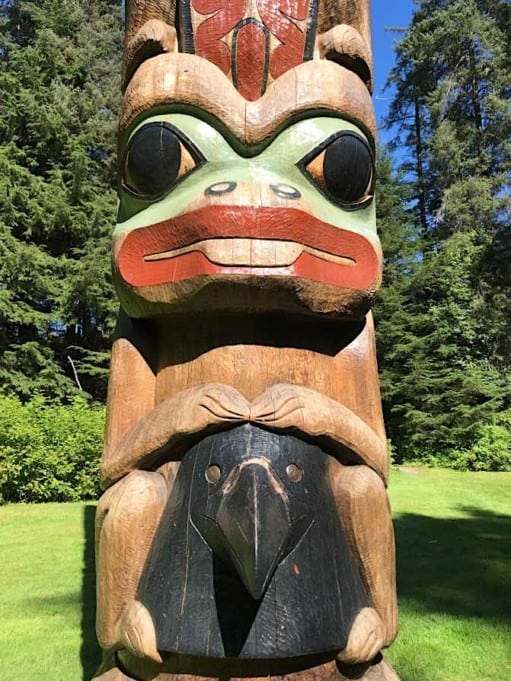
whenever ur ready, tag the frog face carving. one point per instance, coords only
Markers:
(236, 200)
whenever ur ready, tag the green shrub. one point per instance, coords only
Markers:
(490, 449)
(49, 452)
(485, 447)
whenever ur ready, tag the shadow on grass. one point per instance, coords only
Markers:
(458, 566)
(90, 652)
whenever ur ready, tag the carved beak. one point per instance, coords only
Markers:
(254, 520)
(252, 528)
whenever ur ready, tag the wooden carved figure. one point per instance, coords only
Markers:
(245, 529)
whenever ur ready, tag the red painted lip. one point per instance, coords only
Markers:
(283, 224)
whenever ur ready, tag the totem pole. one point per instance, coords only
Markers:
(245, 528)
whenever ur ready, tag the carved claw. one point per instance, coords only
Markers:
(279, 404)
(177, 417)
(286, 405)
(366, 638)
(137, 633)
(224, 402)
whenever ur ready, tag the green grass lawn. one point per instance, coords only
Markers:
(453, 535)
(47, 592)
(454, 576)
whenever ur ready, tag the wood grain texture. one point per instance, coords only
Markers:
(252, 42)
(230, 293)
(290, 408)
(132, 382)
(171, 426)
(144, 255)
(307, 412)
(344, 35)
(344, 45)
(253, 353)
(286, 21)
(126, 520)
(213, 21)
(153, 38)
(139, 12)
(195, 257)
(149, 30)
(247, 371)
(337, 360)
(354, 13)
(179, 81)
(364, 510)
(251, 47)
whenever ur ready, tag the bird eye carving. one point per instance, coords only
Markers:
(156, 158)
(294, 472)
(343, 169)
(213, 474)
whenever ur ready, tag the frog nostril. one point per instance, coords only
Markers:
(220, 188)
(285, 191)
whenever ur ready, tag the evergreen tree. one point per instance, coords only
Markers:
(59, 80)
(408, 113)
(448, 368)
(396, 227)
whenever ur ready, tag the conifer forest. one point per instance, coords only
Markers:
(443, 317)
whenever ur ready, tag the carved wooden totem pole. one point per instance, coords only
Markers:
(245, 528)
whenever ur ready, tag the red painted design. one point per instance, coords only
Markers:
(285, 224)
(208, 37)
(250, 61)
(279, 18)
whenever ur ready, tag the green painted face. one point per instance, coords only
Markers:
(186, 191)
(279, 163)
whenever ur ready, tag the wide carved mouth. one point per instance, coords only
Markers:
(242, 240)
(238, 252)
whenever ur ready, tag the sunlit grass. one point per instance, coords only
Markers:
(45, 572)
(454, 573)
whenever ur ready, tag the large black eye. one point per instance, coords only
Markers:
(348, 168)
(156, 158)
(344, 169)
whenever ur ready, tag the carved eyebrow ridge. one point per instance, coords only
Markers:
(185, 82)
(184, 124)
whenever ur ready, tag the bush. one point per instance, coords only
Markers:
(49, 452)
(489, 451)
(485, 447)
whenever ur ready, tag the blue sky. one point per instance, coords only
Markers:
(386, 14)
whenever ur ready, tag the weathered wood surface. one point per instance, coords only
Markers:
(188, 80)
(253, 42)
(336, 361)
(245, 529)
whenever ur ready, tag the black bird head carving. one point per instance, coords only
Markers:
(250, 559)
(253, 517)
